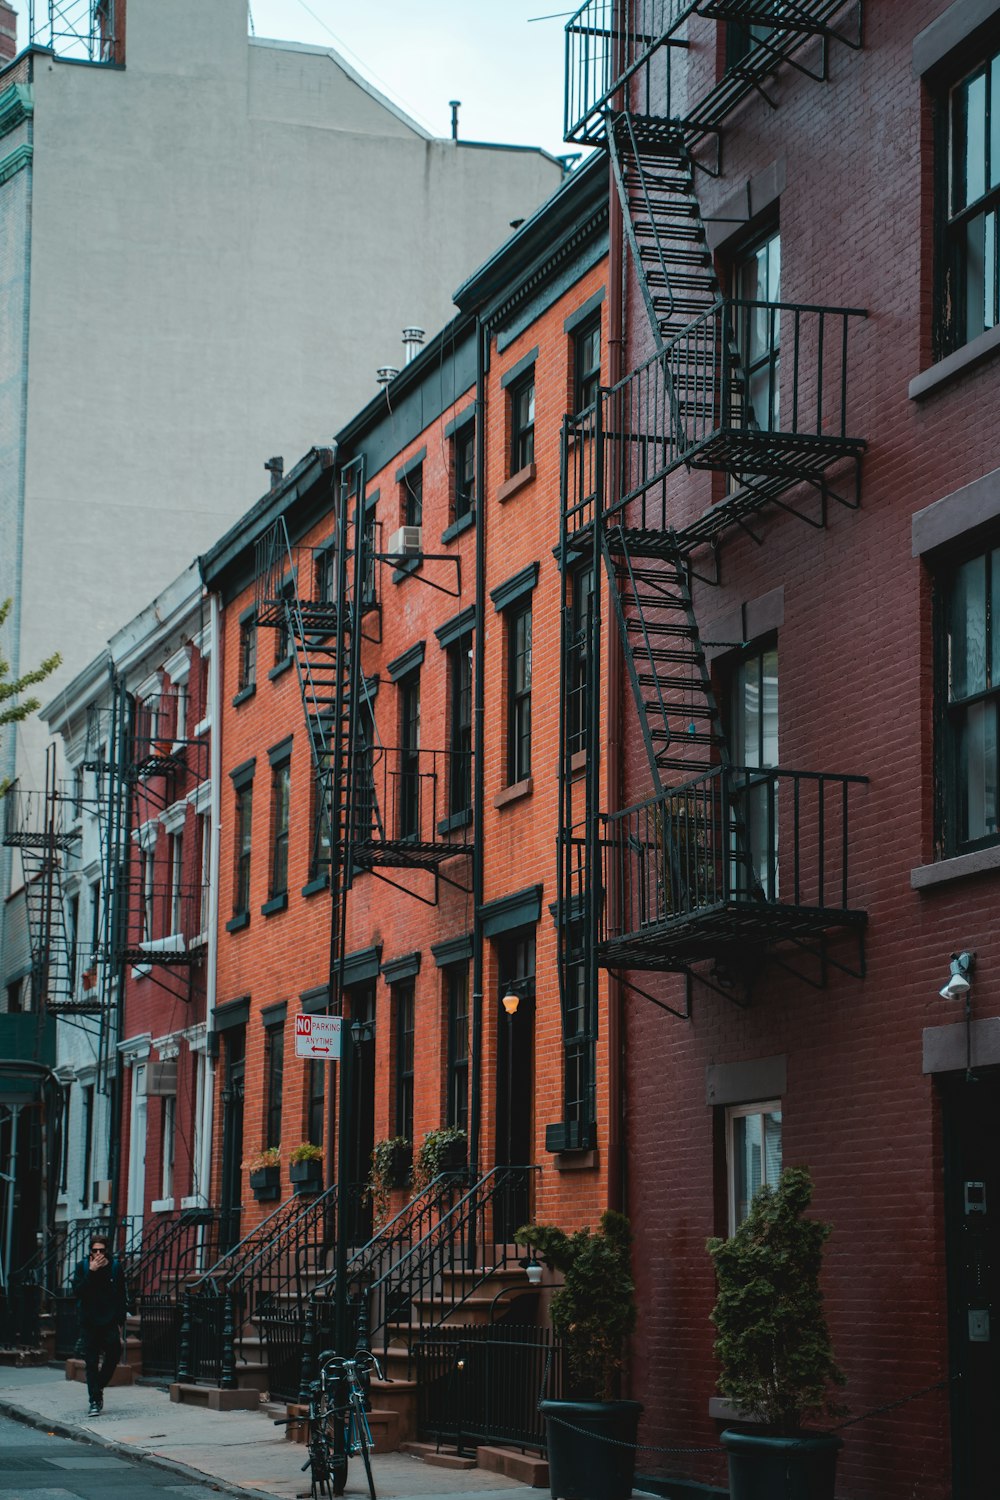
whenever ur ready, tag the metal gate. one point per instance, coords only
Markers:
(482, 1385)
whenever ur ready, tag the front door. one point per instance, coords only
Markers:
(515, 1079)
(362, 1038)
(231, 1197)
(972, 1232)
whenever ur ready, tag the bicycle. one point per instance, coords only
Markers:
(338, 1421)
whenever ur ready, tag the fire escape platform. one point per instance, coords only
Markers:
(706, 932)
(405, 854)
(791, 456)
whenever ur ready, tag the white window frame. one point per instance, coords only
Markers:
(737, 1112)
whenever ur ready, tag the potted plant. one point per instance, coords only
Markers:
(443, 1150)
(390, 1168)
(592, 1313)
(774, 1346)
(265, 1174)
(305, 1168)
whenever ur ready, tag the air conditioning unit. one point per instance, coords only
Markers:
(161, 1078)
(571, 1135)
(102, 1191)
(406, 542)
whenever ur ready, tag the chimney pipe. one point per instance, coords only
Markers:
(412, 339)
(455, 105)
(276, 468)
(386, 374)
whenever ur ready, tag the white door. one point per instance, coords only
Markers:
(137, 1147)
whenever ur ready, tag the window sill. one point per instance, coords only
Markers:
(202, 727)
(947, 369)
(457, 820)
(280, 668)
(407, 569)
(162, 1206)
(276, 904)
(313, 888)
(244, 694)
(576, 1161)
(514, 793)
(237, 923)
(959, 867)
(516, 482)
(457, 527)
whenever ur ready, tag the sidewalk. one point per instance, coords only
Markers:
(241, 1451)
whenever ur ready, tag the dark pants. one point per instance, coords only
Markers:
(102, 1349)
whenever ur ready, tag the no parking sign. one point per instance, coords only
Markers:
(318, 1037)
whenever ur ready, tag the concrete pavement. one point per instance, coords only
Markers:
(241, 1452)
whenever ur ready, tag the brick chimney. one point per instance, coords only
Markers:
(8, 32)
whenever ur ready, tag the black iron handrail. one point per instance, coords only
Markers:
(173, 1250)
(714, 842)
(470, 1243)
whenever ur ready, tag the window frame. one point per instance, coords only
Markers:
(951, 713)
(463, 487)
(586, 376)
(274, 1078)
(753, 1108)
(579, 1042)
(522, 426)
(404, 1012)
(952, 327)
(457, 1029)
(580, 622)
(746, 260)
(243, 847)
(519, 726)
(247, 669)
(411, 496)
(408, 811)
(281, 800)
(460, 726)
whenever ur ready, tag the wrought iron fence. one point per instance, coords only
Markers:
(482, 1385)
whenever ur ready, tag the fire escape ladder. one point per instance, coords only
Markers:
(654, 176)
(665, 659)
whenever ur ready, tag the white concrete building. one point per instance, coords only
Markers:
(208, 244)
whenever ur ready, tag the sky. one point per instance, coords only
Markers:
(505, 66)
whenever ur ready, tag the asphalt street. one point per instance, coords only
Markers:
(42, 1467)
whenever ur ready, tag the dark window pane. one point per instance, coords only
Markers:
(465, 471)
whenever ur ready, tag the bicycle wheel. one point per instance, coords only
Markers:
(319, 1468)
(363, 1445)
(339, 1449)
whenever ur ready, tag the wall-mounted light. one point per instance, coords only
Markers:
(533, 1271)
(510, 1001)
(959, 981)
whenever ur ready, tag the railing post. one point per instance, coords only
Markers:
(308, 1353)
(227, 1371)
(184, 1350)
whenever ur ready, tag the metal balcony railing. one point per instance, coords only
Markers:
(758, 390)
(755, 855)
(37, 820)
(412, 808)
(164, 922)
(607, 42)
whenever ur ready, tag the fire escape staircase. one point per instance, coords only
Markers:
(692, 872)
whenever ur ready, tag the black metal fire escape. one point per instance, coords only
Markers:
(691, 873)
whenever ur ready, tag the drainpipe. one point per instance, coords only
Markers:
(476, 1091)
(617, 1178)
(215, 814)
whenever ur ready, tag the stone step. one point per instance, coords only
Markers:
(214, 1398)
(526, 1468)
(440, 1458)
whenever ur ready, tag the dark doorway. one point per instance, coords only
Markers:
(972, 1231)
(362, 1035)
(515, 1077)
(231, 1206)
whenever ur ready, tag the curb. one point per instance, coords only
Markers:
(83, 1435)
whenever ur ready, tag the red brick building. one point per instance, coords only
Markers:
(453, 713)
(799, 507)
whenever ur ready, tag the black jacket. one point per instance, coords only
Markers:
(101, 1296)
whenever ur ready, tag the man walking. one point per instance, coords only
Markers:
(102, 1303)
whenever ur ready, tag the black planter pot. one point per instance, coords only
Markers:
(306, 1177)
(402, 1161)
(582, 1464)
(776, 1468)
(265, 1184)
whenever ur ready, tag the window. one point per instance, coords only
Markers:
(457, 981)
(324, 574)
(969, 690)
(244, 820)
(757, 280)
(581, 604)
(77, 791)
(283, 630)
(315, 1101)
(522, 423)
(146, 859)
(95, 920)
(72, 936)
(176, 849)
(168, 1138)
(205, 871)
(753, 705)
(971, 290)
(519, 694)
(180, 717)
(88, 1140)
(413, 497)
(403, 999)
(320, 858)
(15, 997)
(460, 767)
(274, 1069)
(409, 756)
(67, 1136)
(579, 1102)
(586, 364)
(741, 39)
(248, 654)
(753, 1154)
(464, 460)
(281, 782)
